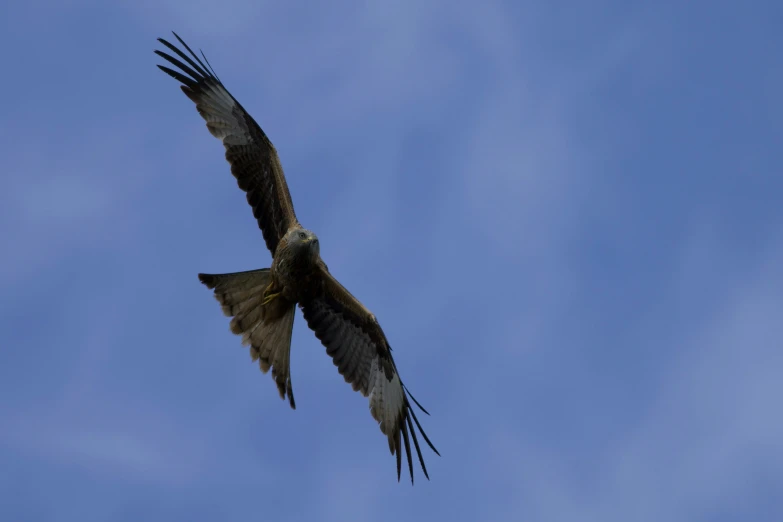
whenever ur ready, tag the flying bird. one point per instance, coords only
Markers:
(262, 303)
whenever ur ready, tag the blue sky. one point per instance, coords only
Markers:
(566, 217)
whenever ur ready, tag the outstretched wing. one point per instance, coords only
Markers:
(359, 349)
(253, 158)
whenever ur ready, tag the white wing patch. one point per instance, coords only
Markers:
(223, 117)
(386, 399)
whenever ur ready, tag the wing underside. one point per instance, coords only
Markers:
(358, 347)
(253, 159)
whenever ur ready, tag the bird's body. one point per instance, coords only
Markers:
(295, 266)
(262, 302)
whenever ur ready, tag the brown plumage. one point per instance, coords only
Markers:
(262, 302)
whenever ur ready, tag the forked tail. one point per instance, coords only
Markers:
(267, 328)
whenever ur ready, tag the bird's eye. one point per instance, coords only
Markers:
(302, 235)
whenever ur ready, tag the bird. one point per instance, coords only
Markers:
(262, 303)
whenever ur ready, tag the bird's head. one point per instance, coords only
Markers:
(303, 242)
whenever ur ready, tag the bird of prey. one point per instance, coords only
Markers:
(262, 302)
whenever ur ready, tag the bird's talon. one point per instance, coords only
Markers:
(269, 298)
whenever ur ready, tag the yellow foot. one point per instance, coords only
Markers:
(268, 298)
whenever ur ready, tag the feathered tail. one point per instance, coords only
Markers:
(266, 328)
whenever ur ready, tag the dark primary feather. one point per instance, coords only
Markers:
(359, 349)
(253, 159)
